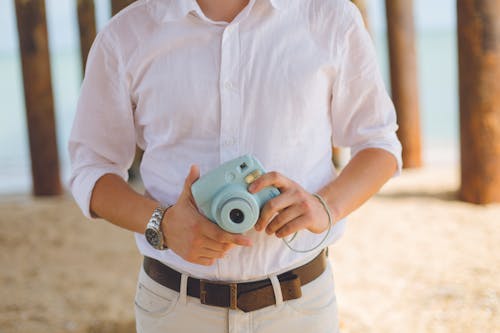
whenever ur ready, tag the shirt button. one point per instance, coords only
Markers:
(228, 85)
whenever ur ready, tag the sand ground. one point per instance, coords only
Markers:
(414, 259)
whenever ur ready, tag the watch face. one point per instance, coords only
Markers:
(152, 237)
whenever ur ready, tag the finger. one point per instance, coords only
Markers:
(292, 227)
(284, 217)
(211, 244)
(273, 207)
(211, 230)
(194, 174)
(214, 232)
(241, 240)
(272, 178)
(210, 253)
(205, 261)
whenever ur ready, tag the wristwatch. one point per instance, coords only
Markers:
(153, 232)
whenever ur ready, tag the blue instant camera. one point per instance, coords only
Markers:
(223, 197)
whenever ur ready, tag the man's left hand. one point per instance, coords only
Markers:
(293, 210)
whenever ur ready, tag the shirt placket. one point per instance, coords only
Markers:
(230, 99)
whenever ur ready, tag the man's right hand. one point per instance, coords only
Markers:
(191, 235)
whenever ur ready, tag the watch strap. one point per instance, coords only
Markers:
(155, 223)
(157, 217)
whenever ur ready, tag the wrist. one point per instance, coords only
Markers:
(332, 204)
(153, 233)
(165, 224)
(329, 217)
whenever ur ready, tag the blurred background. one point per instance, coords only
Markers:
(437, 70)
(414, 258)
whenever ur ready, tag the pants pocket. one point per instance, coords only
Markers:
(318, 296)
(315, 311)
(153, 304)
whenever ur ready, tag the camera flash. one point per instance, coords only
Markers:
(252, 176)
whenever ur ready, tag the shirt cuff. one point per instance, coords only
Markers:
(82, 186)
(390, 145)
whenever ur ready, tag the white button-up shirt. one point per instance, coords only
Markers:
(283, 81)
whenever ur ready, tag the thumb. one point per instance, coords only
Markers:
(194, 174)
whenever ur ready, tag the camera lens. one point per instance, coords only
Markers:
(236, 215)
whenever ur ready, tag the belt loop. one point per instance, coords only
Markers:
(278, 296)
(183, 289)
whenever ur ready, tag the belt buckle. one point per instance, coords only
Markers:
(233, 293)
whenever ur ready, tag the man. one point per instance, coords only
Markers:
(198, 83)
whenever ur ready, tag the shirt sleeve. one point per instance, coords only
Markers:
(102, 139)
(363, 114)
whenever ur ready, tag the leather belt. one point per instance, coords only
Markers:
(246, 296)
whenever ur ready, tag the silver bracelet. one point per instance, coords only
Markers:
(330, 224)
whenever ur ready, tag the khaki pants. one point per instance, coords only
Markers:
(159, 309)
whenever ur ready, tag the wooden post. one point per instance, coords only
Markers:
(33, 42)
(87, 26)
(117, 5)
(403, 61)
(479, 73)
(361, 4)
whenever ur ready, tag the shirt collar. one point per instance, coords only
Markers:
(278, 4)
(176, 9)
